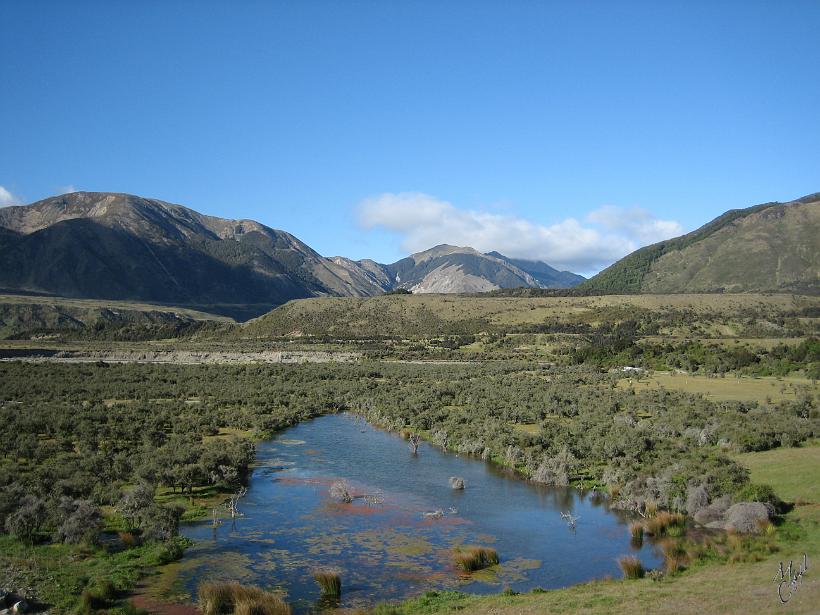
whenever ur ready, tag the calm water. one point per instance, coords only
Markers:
(292, 527)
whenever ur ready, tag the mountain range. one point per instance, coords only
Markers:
(99, 245)
(102, 245)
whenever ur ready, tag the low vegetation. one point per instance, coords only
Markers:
(220, 598)
(631, 567)
(470, 559)
(104, 460)
(329, 582)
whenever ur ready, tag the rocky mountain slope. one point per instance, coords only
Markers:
(774, 247)
(118, 246)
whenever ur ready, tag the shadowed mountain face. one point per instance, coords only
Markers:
(771, 247)
(118, 246)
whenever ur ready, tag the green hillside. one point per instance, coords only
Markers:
(768, 247)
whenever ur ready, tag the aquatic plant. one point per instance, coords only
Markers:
(470, 559)
(221, 598)
(631, 567)
(456, 482)
(636, 530)
(341, 490)
(329, 582)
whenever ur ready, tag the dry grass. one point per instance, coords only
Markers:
(329, 582)
(470, 559)
(724, 389)
(666, 524)
(631, 567)
(219, 598)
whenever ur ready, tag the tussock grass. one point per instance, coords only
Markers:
(329, 582)
(636, 530)
(470, 559)
(666, 524)
(219, 598)
(128, 539)
(631, 567)
(675, 556)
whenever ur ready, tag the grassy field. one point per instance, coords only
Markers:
(410, 315)
(794, 473)
(728, 388)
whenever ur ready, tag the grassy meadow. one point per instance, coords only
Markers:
(761, 389)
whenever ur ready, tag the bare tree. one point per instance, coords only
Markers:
(233, 502)
(414, 441)
(341, 490)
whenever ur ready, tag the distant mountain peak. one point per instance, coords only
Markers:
(112, 245)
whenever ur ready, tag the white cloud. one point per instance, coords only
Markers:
(7, 198)
(635, 222)
(608, 233)
(66, 189)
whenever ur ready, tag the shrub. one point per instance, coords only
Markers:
(160, 523)
(759, 493)
(25, 522)
(631, 567)
(471, 559)
(330, 583)
(136, 504)
(697, 498)
(81, 522)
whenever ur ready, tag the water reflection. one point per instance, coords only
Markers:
(291, 526)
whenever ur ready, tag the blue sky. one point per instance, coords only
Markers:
(570, 131)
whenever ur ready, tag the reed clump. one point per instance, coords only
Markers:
(666, 524)
(330, 583)
(470, 559)
(226, 598)
(675, 556)
(636, 532)
(631, 567)
(128, 539)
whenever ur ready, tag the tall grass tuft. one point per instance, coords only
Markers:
(674, 556)
(631, 567)
(329, 582)
(636, 531)
(470, 559)
(218, 598)
(129, 539)
(666, 524)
